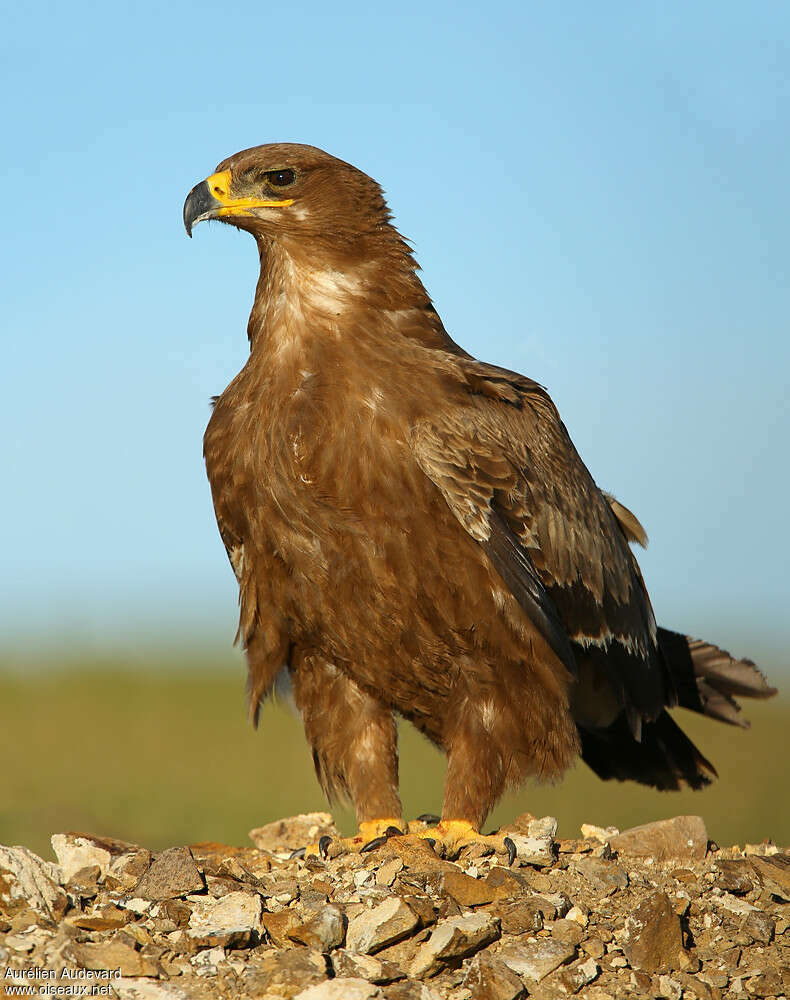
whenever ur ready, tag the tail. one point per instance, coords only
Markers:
(706, 680)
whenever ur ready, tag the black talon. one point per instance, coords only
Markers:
(323, 845)
(298, 853)
(373, 844)
(430, 818)
(431, 841)
(511, 851)
(393, 831)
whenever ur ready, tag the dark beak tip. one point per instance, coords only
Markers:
(198, 204)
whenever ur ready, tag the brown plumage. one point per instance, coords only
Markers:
(413, 531)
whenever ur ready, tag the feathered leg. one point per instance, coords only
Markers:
(354, 742)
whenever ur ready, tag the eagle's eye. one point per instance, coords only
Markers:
(280, 178)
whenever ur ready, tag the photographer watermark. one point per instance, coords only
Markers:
(38, 982)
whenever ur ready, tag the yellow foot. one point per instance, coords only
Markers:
(451, 836)
(371, 833)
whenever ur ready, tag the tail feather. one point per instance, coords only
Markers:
(707, 678)
(700, 677)
(665, 758)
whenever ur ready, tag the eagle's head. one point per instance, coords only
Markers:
(287, 192)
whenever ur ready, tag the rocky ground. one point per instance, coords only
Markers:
(657, 911)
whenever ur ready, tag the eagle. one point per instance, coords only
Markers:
(415, 535)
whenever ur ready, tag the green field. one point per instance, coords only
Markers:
(165, 756)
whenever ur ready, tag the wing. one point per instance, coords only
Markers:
(505, 464)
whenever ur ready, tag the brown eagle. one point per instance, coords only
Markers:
(414, 533)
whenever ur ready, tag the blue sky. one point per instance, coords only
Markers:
(597, 194)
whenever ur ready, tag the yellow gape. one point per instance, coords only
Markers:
(219, 186)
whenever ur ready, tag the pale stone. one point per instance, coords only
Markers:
(669, 988)
(488, 978)
(27, 878)
(603, 833)
(546, 826)
(538, 851)
(234, 911)
(144, 989)
(114, 954)
(385, 876)
(578, 915)
(536, 959)
(729, 902)
(294, 832)
(324, 932)
(380, 926)
(453, 938)
(74, 852)
(341, 989)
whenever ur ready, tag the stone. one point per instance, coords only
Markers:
(602, 833)
(578, 975)
(466, 891)
(568, 931)
(385, 875)
(734, 876)
(680, 837)
(126, 871)
(105, 917)
(669, 988)
(605, 875)
(289, 834)
(172, 873)
(653, 938)
(75, 852)
(518, 917)
(341, 989)
(506, 884)
(488, 978)
(145, 989)
(380, 926)
(26, 880)
(451, 939)
(325, 931)
(278, 926)
(283, 974)
(370, 967)
(219, 937)
(774, 874)
(412, 990)
(236, 911)
(535, 959)
(760, 927)
(538, 851)
(114, 955)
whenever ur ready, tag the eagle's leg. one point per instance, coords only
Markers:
(355, 745)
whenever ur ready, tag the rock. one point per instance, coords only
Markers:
(341, 989)
(219, 937)
(106, 917)
(506, 884)
(236, 911)
(294, 832)
(578, 975)
(411, 990)
(125, 872)
(538, 851)
(488, 978)
(518, 917)
(283, 974)
(774, 874)
(466, 891)
(734, 876)
(385, 876)
(324, 932)
(380, 926)
(760, 927)
(114, 955)
(27, 880)
(454, 938)
(669, 988)
(654, 939)
(568, 931)
(680, 837)
(536, 959)
(173, 873)
(144, 989)
(606, 875)
(601, 833)
(278, 926)
(74, 851)
(356, 966)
